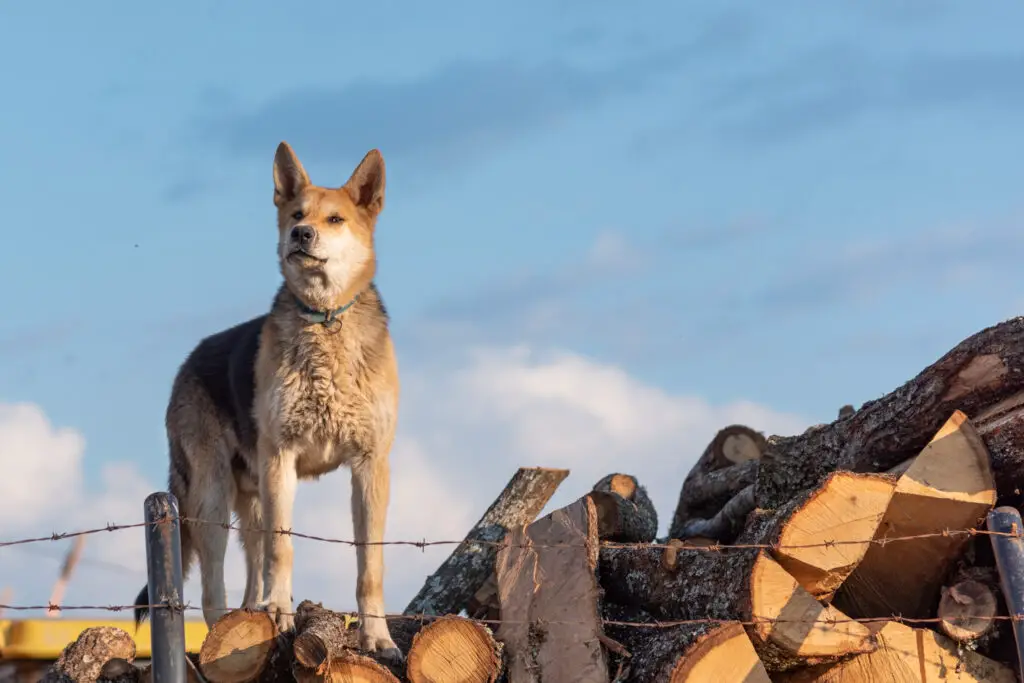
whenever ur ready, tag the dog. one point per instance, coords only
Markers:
(291, 395)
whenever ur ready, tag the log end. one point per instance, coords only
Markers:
(735, 444)
(825, 539)
(725, 654)
(350, 668)
(237, 647)
(967, 610)
(795, 622)
(454, 649)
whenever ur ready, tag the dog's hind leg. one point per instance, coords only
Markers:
(371, 489)
(250, 519)
(213, 496)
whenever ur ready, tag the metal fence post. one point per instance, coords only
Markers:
(1009, 552)
(163, 564)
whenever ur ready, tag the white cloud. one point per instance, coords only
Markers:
(40, 466)
(463, 431)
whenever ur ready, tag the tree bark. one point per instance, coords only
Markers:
(321, 636)
(724, 526)
(549, 596)
(83, 660)
(452, 587)
(119, 671)
(454, 650)
(1001, 427)
(735, 450)
(980, 371)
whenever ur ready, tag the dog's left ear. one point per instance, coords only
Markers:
(367, 182)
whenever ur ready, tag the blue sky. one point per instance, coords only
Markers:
(789, 206)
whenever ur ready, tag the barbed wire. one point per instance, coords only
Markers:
(424, 617)
(72, 534)
(679, 545)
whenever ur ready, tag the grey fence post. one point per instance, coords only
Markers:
(163, 564)
(1009, 552)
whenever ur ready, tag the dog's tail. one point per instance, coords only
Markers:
(141, 606)
(179, 489)
(142, 599)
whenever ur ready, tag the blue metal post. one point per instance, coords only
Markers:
(163, 562)
(1009, 552)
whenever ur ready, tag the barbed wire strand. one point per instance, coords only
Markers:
(422, 544)
(754, 621)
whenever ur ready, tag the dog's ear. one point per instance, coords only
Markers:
(289, 176)
(367, 182)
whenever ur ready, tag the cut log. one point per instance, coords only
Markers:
(118, 671)
(549, 595)
(949, 486)
(967, 610)
(705, 494)
(792, 628)
(237, 647)
(451, 588)
(83, 660)
(736, 444)
(909, 655)
(625, 514)
(625, 511)
(1001, 427)
(725, 525)
(824, 539)
(351, 668)
(278, 668)
(454, 650)
(693, 654)
(980, 371)
(736, 448)
(321, 635)
(484, 604)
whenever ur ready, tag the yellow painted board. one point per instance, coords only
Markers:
(46, 638)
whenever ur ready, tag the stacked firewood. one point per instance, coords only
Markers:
(852, 552)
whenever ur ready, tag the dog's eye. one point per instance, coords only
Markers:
(335, 219)
(298, 215)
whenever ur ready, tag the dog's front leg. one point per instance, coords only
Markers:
(370, 492)
(278, 480)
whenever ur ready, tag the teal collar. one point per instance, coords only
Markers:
(322, 317)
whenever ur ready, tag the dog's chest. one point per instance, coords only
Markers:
(324, 404)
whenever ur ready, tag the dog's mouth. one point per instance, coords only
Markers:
(304, 256)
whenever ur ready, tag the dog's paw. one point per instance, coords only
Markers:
(382, 647)
(280, 612)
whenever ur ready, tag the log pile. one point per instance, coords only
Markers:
(852, 552)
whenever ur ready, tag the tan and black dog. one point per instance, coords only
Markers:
(291, 395)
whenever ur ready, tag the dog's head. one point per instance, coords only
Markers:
(325, 235)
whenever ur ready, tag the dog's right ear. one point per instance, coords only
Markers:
(289, 176)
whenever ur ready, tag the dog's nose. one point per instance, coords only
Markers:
(303, 235)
